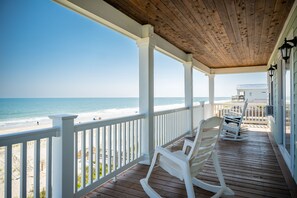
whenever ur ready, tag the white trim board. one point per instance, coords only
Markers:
(234, 70)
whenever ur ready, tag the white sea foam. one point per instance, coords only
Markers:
(103, 114)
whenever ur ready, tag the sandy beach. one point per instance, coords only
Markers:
(83, 117)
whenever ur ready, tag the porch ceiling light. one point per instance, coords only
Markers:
(271, 70)
(286, 48)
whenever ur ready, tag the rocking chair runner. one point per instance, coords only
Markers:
(187, 166)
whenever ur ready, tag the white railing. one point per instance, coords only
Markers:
(70, 160)
(170, 125)
(254, 112)
(103, 149)
(25, 156)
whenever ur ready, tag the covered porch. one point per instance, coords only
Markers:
(214, 37)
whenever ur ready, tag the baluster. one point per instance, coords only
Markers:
(98, 153)
(164, 129)
(115, 147)
(49, 167)
(104, 151)
(140, 135)
(253, 113)
(124, 146)
(167, 128)
(23, 171)
(176, 116)
(136, 138)
(171, 127)
(132, 130)
(120, 145)
(263, 118)
(157, 132)
(83, 158)
(129, 143)
(8, 168)
(75, 161)
(109, 149)
(91, 156)
(37, 168)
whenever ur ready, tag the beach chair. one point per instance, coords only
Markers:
(187, 165)
(232, 125)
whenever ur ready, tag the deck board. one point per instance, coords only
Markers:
(250, 169)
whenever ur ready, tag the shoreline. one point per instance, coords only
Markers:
(45, 122)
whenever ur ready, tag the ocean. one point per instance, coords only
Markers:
(15, 110)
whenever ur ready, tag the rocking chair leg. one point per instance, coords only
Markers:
(218, 168)
(144, 182)
(224, 189)
(189, 185)
(152, 166)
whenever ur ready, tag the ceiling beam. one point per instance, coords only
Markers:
(105, 14)
(201, 67)
(169, 49)
(235, 70)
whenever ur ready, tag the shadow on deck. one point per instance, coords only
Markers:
(250, 169)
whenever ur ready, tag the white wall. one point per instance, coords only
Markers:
(259, 95)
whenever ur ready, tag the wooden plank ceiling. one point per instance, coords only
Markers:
(219, 33)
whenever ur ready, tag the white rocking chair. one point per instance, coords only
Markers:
(187, 166)
(232, 126)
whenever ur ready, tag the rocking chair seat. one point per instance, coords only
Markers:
(170, 166)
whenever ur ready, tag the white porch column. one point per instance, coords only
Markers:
(188, 68)
(146, 91)
(211, 93)
(63, 158)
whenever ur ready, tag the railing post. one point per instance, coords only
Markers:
(146, 91)
(63, 156)
(211, 93)
(188, 68)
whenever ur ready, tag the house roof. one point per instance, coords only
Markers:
(219, 33)
(251, 86)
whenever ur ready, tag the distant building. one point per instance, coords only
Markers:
(253, 92)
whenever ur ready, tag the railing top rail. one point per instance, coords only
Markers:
(239, 103)
(102, 123)
(157, 113)
(25, 136)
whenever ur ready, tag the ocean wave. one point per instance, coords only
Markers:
(22, 121)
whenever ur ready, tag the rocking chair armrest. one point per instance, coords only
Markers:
(232, 120)
(187, 143)
(169, 155)
(233, 113)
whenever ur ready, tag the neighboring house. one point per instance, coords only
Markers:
(253, 92)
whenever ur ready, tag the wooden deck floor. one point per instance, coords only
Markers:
(250, 169)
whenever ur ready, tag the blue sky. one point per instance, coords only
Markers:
(49, 51)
